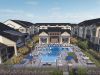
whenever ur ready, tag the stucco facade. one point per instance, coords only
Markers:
(9, 43)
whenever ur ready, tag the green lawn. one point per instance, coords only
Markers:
(71, 54)
(92, 59)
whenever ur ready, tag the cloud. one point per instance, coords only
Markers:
(10, 11)
(56, 8)
(54, 14)
(15, 14)
(67, 17)
(30, 15)
(58, 14)
(32, 2)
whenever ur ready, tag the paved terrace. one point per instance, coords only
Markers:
(36, 61)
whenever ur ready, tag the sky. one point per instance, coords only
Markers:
(49, 11)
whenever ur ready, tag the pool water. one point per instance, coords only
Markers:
(52, 53)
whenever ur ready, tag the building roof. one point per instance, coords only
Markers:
(43, 34)
(72, 25)
(66, 30)
(10, 33)
(55, 29)
(65, 34)
(89, 22)
(43, 30)
(4, 27)
(50, 29)
(10, 30)
(9, 36)
(58, 29)
(2, 46)
(97, 24)
(53, 24)
(23, 23)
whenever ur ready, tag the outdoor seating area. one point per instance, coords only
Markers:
(47, 64)
(59, 45)
(44, 52)
(52, 55)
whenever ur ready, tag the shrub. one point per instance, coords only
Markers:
(16, 59)
(81, 71)
(24, 50)
(57, 72)
(95, 55)
(73, 41)
(73, 55)
(71, 72)
(36, 39)
(83, 44)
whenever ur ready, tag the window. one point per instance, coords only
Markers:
(94, 32)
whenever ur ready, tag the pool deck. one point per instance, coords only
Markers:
(36, 61)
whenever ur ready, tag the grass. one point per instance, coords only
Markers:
(71, 54)
(97, 63)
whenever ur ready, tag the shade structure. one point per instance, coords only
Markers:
(29, 57)
(69, 57)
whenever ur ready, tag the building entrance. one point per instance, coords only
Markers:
(54, 39)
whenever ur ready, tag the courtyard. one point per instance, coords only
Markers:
(56, 55)
(53, 49)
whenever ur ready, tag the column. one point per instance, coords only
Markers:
(15, 49)
(60, 40)
(47, 40)
(69, 40)
(0, 60)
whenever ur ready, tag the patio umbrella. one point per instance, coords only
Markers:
(29, 57)
(69, 58)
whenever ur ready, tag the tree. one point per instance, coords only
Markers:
(83, 44)
(36, 39)
(73, 40)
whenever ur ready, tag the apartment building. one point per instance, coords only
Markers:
(11, 38)
(3, 53)
(21, 26)
(89, 30)
(74, 30)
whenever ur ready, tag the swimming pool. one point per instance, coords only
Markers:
(51, 53)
